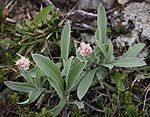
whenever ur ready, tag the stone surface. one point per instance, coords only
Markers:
(122, 41)
(139, 13)
(89, 5)
(108, 4)
(148, 1)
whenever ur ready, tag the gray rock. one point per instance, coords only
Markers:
(139, 13)
(148, 1)
(93, 4)
(121, 41)
(108, 4)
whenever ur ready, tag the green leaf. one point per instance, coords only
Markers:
(19, 86)
(85, 83)
(56, 87)
(103, 49)
(79, 104)
(38, 78)
(128, 62)
(110, 66)
(26, 75)
(67, 66)
(32, 72)
(57, 109)
(50, 70)
(41, 16)
(65, 41)
(81, 76)
(134, 50)
(101, 73)
(33, 95)
(110, 51)
(102, 23)
(98, 36)
(74, 74)
(119, 80)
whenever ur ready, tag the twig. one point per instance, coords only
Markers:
(9, 4)
(98, 110)
(83, 13)
(67, 15)
(97, 98)
(147, 90)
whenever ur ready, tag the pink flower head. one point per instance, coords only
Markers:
(85, 49)
(23, 63)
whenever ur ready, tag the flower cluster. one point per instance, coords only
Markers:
(85, 49)
(23, 63)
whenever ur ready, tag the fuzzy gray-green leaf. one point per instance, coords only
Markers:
(57, 109)
(74, 74)
(102, 23)
(134, 50)
(50, 69)
(65, 41)
(85, 84)
(129, 62)
(33, 95)
(20, 86)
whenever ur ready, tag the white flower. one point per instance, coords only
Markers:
(85, 49)
(23, 63)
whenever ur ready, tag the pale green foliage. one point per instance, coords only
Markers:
(65, 41)
(86, 83)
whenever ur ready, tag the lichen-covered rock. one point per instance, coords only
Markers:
(122, 40)
(139, 13)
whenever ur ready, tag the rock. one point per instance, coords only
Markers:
(89, 5)
(123, 41)
(139, 14)
(108, 4)
(148, 1)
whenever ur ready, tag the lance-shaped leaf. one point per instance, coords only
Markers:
(134, 50)
(103, 49)
(65, 41)
(57, 87)
(50, 70)
(102, 23)
(110, 52)
(57, 109)
(74, 74)
(26, 75)
(67, 66)
(33, 95)
(128, 62)
(79, 104)
(20, 86)
(85, 83)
